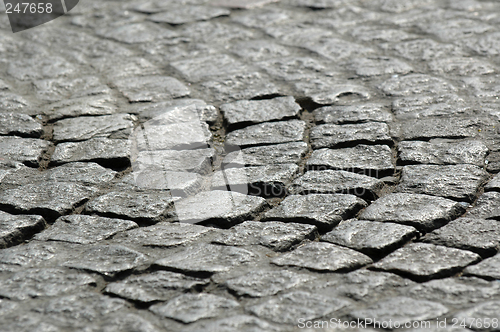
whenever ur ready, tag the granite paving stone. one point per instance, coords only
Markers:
(84, 128)
(151, 88)
(20, 125)
(477, 235)
(248, 112)
(266, 283)
(141, 207)
(441, 128)
(189, 308)
(424, 49)
(242, 323)
(493, 184)
(423, 212)
(105, 151)
(401, 310)
(287, 307)
(370, 160)
(443, 152)
(424, 261)
(224, 208)
(337, 136)
(180, 184)
(266, 181)
(377, 66)
(239, 4)
(329, 92)
(415, 84)
(487, 268)
(486, 207)
(322, 256)
(487, 311)
(369, 112)
(292, 68)
(342, 182)
(84, 106)
(267, 133)
(461, 66)
(370, 237)
(197, 161)
(205, 68)
(460, 182)
(324, 211)
(51, 199)
(155, 286)
(425, 106)
(209, 258)
(186, 14)
(25, 150)
(83, 229)
(260, 50)
(276, 235)
(58, 89)
(286, 153)
(163, 234)
(139, 32)
(45, 282)
(14, 229)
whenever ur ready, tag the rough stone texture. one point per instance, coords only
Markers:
(203, 68)
(322, 256)
(441, 128)
(423, 261)
(487, 310)
(420, 211)
(186, 14)
(336, 136)
(244, 323)
(287, 153)
(352, 114)
(415, 84)
(493, 185)
(247, 112)
(151, 88)
(477, 235)
(20, 125)
(487, 206)
(208, 258)
(25, 150)
(485, 269)
(276, 235)
(443, 153)
(16, 228)
(143, 207)
(178, 183)
(321, 210)
(401, 310)
(371, 160)
(370, 237)
(330, 182)
(155, 286)
(198, 161)
(84, 229)
(50, 200)
(267, 133)
(460, 182)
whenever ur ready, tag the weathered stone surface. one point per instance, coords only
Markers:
(267, 133)
(139, 32)
(247, 112)
(84, 229)
(84, 128)
(425, 106)
(163, 235)
(477, 235)
(352, 114)
(239, 4)
(82, 173)
(287, 307)
(291, 68)
(177, 110)
(105, 151)
(461, 66)
(424, 49)
(36, 283)
(415, 84)
(207, 67)
(25, 150)
(377, 66)
(50, 200)
(341, 182)
(322, 256)
(486, 311)
(420, 211)
(455, 29)
(489, 268)
(198, 161)
(58, 89)
(401, 310)
(443, 153)
(286, 153)
(321, 210)
(19, 124)
(337, 136)
(186, 14)
(256, 50)
(106, 259)
(424, 261)
(494, 184)
(371, 160)
(441, 128)
(460, 182)
(266, 181)
(276, 235)
(208, 258)
(222, 207)
(178, 183)
(16, 228)
(329, 92)
(151, 88)
(155, 286)
(189, 308)
(266, 283)
(370, 237)
(487, 206)
(242, 323)
(143, 207)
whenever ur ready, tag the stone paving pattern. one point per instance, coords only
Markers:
(361, 137)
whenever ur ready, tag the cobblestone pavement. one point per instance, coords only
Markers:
(358, 139)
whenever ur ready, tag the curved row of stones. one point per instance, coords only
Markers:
(358, 138)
